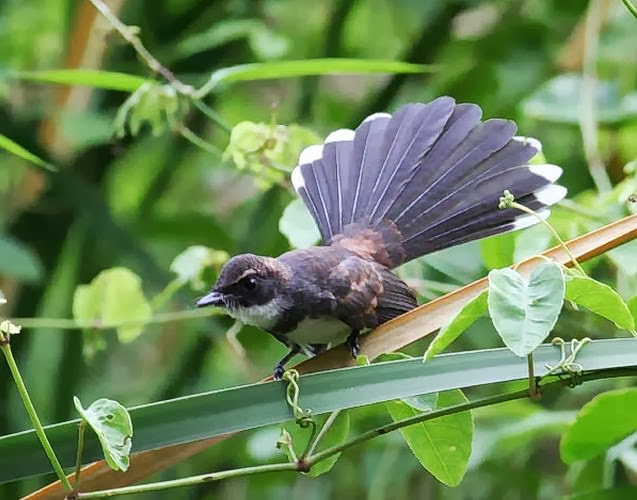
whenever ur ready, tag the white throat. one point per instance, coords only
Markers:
(264, 316)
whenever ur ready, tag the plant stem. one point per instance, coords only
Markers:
(71, 324)
(35, 420)
(326, 427)
(80, 448)
(129, 33)
(193, 138)
(212, 114)
(190, 481)
(588, 101)
(553, 232)
(533, 389)
(631, 8)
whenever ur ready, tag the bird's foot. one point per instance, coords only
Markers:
(353, 343)
(278, 371)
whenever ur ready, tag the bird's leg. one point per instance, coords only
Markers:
(280, 366)
(353, 344)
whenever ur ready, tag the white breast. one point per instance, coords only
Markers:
(319, 331)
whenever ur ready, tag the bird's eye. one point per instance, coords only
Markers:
(249, 283)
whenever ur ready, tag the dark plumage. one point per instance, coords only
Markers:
(398, 187)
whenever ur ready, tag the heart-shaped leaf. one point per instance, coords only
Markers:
(114, 296)
(525, 312)
(112, 424)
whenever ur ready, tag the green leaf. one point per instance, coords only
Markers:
(297, 225)
(524, 313)
(113, 297)
(442, 445)
(190, 264)
(306, 67)
(424, 402)
(558, 100)
(497, 251)
(111, 80)
(619, 493)
(213, 413)
(601, 299)
(112, 424)
(614, 411)
(14, 148)
(632, 306)
(19, 261)
(335, 435)
(471, 311)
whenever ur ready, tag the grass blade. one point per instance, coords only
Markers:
(110, 80)
(292, 69)
(205, 415)
(14, 148)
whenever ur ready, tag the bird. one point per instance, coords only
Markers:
(396, 188)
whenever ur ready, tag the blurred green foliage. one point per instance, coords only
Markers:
(139, 202)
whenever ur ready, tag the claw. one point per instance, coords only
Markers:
(353, 343)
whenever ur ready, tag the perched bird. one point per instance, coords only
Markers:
(396, 188)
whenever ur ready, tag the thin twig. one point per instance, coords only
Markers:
(193, 138)
(33, 415)
(326, 427)
(80, 450)
(71, 324)
(212, 114)
(588, 102)
(129, 33)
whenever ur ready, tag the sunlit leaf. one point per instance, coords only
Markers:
(297, 225)
(471, 311)
(306, 67)
(524, 312)
(111, 80)
(14, 148)
(190, 264)
(601, 299)
(632, 306)
(613, 411)
(442, 445)
(114, 297)
(112, 424)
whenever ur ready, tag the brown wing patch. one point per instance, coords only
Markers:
(368, 294)
(381, 243)
(358, 287)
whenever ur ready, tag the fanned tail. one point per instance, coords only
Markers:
(427, 178)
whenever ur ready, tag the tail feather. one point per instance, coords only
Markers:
(409, 136)
(434, 172)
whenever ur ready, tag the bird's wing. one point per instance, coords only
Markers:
(368, 294)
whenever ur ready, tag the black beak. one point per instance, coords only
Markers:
(212, 299)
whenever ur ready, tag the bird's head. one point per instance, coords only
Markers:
(249, 288)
